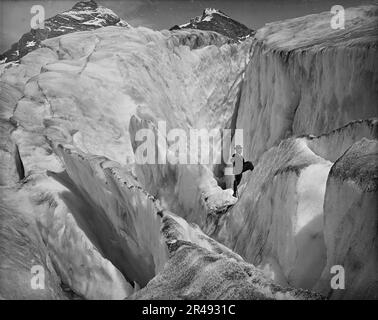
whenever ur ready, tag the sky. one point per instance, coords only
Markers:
(162, 14)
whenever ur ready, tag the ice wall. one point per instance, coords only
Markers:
(190, 190)
(158, 245)
(21, 249)
(123, 220)
(190, 79)
(43, 212)
(302, 78)
(123, 72)
(333, 145)
(299, 213)
(306, 78)
(81, 90)
(303, 94)
(320, 85)
(278, 219)
(351, 221)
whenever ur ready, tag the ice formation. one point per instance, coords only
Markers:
(104, 227)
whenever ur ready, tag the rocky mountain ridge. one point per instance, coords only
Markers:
(215, 20)
(84, 15)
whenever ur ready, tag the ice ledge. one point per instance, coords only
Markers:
(315, 30)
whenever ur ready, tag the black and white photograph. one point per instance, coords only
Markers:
(165, 150)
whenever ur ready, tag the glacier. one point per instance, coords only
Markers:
(74, 200)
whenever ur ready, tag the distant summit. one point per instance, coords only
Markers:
(84, 15)
(218, 21)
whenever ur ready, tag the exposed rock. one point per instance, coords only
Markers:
(84, 15)
(216, 20)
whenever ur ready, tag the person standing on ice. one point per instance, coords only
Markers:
(239, 166)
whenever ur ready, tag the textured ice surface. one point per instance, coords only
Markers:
(306, 78)
(105, 227)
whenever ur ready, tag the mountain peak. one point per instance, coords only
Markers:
(85, 4)
(84, 15)
(211, 11)
(218, 21)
